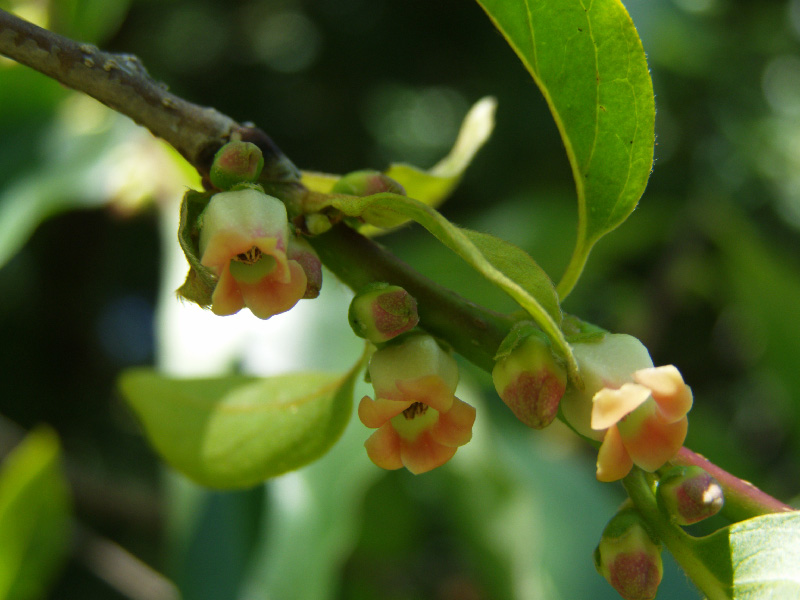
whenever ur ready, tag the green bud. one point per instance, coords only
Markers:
(317, 223)
(689, 494)
(366, 183)
(380, 312)
(236, 162)
(629, 557)
(529, 378)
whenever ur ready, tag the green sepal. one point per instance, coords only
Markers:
(200, 281)
(518, 334)
(579, 331)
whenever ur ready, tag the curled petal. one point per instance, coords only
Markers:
(454, 428)
(673, 396)
(613, 461)
(383, 448)
(227, 297)
(424, 453)
(270, 296)
(374, 413)
(652, 442)
(609, 406)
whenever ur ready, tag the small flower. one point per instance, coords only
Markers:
(381, 312)
(637, 410)
(629, 557)
(244, 239)
(530, 381)
(645, 422)
(420, 423)
(688, 494)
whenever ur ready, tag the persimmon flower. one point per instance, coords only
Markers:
(644, 422)
(420, 423)
(244, 240)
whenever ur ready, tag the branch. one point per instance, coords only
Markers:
(121, 82)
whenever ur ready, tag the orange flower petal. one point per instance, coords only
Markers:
(454, 428)
(270, 297)
(610, 405)
(424, 454)
(374, 413)
(227, 297)
(430, 390)
(613, 461)
(673, 396)
(383, 448)
(653, 442)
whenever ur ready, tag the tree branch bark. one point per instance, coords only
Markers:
(121, 82)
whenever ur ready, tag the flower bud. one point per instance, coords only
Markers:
(234, 163)
(302, 252)
(629, 557)
(381, 312)
(317, 223)
(366, 183)
(689, 494)
(530, 380)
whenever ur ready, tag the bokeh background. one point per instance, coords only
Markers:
(706, 273)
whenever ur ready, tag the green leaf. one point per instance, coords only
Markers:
(34, 517)
(236, 431)
(752, 559)
(588, 62)
(498, 261)
(434, 186)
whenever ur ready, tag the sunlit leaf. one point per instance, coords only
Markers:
(236, 431)
(34, 517)
(435, 185)
(588, 62)
(753, 559)
(532, 291)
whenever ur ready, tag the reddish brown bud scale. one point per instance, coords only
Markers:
(381, 312)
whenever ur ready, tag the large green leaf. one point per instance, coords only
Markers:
(505, 265)
(588, 62)
(34, 517)
(236, 431)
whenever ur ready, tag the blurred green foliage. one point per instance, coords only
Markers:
(705, 272)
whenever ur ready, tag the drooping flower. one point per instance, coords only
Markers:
(420, 423)
(645, 422)
(244, 239)
(637, 410)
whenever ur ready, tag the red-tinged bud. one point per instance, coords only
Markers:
(689, 494)
(529, 379)
(381, 312)
(235, 163)
(629, 557)
(367, 183)
(303, 253)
